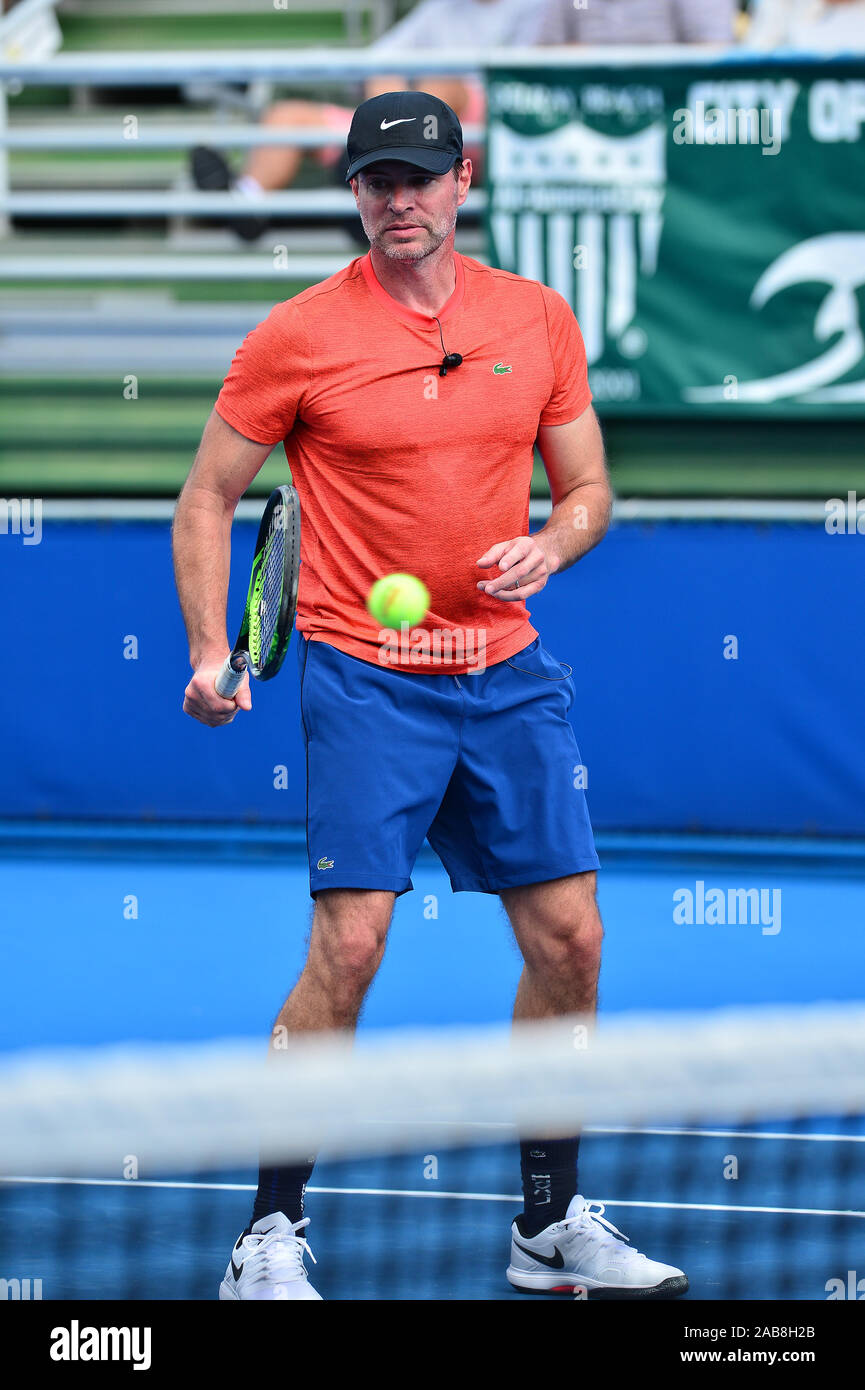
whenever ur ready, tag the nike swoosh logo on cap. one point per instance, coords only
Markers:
(556, 1261)
(386, 125)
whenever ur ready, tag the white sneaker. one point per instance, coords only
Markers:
(585, 1251)
(267, 1262)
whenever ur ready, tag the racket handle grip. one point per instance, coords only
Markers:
(229, 678)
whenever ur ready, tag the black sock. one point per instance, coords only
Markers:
(549, 1174)
(281, 1189)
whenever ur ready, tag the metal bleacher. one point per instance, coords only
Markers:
(96, 202)
(382, 13)
(112, 265)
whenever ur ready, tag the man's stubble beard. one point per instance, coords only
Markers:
(396, 251)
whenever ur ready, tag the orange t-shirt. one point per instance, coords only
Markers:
(399, 469)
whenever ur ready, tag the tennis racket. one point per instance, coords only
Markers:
(272, 599)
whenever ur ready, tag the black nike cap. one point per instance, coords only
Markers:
(414, 127)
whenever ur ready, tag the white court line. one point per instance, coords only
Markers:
(717, 1206)
(139, 1182)
(441, 1196)
(605, 1201)
(734, 1134)
(673, 1133)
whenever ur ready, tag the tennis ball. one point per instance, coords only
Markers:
(398, 598)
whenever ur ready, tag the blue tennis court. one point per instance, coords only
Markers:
(148, 940)
(127, 939)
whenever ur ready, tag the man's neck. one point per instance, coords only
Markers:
(425, 286)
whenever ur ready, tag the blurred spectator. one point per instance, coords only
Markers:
(431, 25)
(649, 21)
(815, 26)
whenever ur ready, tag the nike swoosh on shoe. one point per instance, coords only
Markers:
(556, 1261)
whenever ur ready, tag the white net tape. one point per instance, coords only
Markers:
(215, 1105)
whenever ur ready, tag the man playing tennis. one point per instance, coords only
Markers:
(402, 468)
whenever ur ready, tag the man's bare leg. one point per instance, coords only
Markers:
(558, 929)
(560, 1243)
(276, 166)
(346, 946)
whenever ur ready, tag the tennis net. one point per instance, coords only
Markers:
(729, 1144)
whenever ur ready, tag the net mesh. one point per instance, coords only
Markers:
(731, 1146)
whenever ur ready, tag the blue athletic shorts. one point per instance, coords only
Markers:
(484, 765)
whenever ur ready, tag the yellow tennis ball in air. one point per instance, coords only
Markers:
(398, 598)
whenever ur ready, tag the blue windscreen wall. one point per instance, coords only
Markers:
(674, 735)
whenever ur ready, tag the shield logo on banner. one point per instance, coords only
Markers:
(581, 211)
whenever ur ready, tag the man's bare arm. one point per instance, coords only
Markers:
(573, 456)
(224, 466)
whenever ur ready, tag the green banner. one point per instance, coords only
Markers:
(706, 223)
